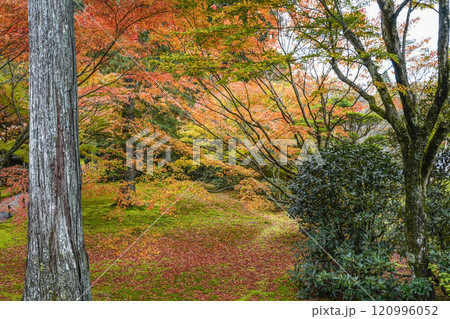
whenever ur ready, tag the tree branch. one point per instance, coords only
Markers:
(20, 140)
(442, 90)
(393, 46)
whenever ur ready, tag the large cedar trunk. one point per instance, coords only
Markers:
(57, 265)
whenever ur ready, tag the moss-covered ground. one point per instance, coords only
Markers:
(206, 247)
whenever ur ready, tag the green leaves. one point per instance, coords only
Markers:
(350, 204)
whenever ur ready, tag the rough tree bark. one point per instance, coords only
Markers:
(415, 217)
(57, 265)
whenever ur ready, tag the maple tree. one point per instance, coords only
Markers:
(100, 27)
(128, 91)
(244, 76)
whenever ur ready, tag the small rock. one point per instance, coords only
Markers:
(4, 216)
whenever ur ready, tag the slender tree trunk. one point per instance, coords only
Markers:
(130, 173)
(130, 178)
(57, 265)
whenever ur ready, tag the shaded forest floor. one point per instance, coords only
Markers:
(206, 247)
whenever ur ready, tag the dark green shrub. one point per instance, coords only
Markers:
(349, 204)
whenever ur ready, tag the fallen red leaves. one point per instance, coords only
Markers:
(221, 260)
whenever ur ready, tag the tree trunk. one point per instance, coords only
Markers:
(130, 173)
(57, 265)
(415, 217)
